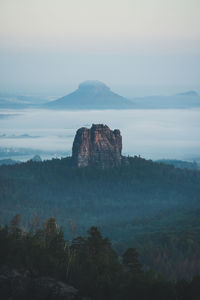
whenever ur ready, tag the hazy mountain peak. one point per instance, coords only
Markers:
(91, 94)
(91, 84)
(36, 158)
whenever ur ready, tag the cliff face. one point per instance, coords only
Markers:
(97, 146)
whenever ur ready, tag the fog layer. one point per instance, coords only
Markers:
(150, 133)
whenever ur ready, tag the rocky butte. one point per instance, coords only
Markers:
(91, 94)
(98, 146)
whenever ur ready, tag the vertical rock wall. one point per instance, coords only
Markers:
(97, 146)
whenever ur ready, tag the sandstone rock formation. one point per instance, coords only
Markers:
(97, 146)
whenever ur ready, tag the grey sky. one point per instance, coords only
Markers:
(50, 46)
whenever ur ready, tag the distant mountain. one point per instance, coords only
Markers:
(189, 99)
(8, 162)
(180, 164)
(189, 93)
(96, 95)
(91, 95)
(11, 101)
(36, 158)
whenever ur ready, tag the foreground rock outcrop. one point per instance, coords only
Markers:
(97, 146)
(22, 285)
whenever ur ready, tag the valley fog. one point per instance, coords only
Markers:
(152, 134)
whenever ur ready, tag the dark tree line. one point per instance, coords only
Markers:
(88, 263)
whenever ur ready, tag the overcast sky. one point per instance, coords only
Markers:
(134, 46)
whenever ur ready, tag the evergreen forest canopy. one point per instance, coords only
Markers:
(89, 263)
(151, 207)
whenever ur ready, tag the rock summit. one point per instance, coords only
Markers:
(99, 146)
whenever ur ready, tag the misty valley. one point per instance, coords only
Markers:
(153, 134)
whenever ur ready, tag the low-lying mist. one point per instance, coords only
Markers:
(150, 133)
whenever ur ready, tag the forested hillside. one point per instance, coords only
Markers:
(149, 206)
(37, 264)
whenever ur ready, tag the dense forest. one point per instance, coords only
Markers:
(149, 206)
(89, 263)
